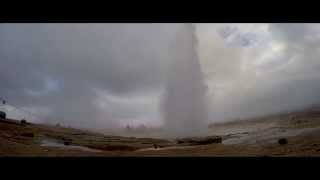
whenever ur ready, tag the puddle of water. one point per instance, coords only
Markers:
(241, 128)
(53, 143)
(165, 148)
(266, 136)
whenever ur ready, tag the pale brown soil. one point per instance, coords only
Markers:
(257, 137)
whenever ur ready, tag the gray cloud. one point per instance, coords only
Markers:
(280, 75)
(121, 59)
(107, 75)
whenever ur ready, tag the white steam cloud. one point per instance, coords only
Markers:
(185, 107)
(111, 75)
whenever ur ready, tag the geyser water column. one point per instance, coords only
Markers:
(184, 103)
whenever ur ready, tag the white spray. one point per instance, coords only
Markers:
(184, 103)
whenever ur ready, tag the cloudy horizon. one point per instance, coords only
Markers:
(111, 75)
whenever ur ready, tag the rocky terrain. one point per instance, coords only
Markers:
(289, 134)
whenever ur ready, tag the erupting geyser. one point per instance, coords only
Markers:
(184, 103)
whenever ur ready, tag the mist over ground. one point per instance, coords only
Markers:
(104, 76)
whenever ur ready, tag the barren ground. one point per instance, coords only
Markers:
(255, 137)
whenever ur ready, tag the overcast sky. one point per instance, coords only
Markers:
(110, 75)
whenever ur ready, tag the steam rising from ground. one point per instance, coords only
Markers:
(185, 111)
(112, 75)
